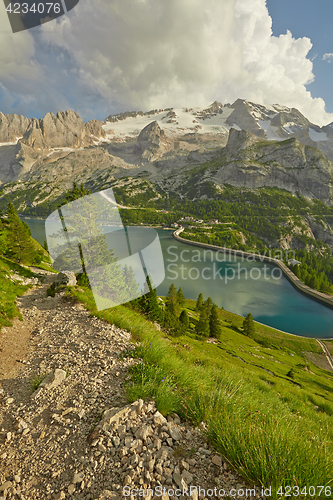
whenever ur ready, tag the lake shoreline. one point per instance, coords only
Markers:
(280, 307)
(324, 299)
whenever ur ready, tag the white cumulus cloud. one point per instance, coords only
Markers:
(115, 55)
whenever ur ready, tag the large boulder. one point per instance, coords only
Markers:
(66, 278)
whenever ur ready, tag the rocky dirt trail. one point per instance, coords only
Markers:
(77, 436)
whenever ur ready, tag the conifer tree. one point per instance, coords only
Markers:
(171, 303)
(214, 324)
(183, 318)
(202, 326)
(76, 192)
(180, 297)
(20, 245)
(199, 303)
(208, 304)
(248, 325)
(3, 239)
(149, 302)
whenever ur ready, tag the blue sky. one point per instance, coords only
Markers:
(312, 19)
(109, 56)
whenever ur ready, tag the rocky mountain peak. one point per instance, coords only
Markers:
(239, 140)
(152, 133)
(151, 142)
(243, 119)
(64, 130)
(215, 107)
(12, 127)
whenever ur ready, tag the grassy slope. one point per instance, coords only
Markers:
(9, 290)
(272, 428)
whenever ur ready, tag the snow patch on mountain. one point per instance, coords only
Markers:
(317, 136)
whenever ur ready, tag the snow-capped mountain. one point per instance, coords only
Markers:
(179, 151)
(274, 123)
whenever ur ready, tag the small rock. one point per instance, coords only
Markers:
(17, 478)
(184, 465)
(187, 477)
(128, 441)
(216, 460)
(144, 432)
(78, 478)
(9, 401)
(175, 433)
(164, 453)
(194, 495)
(116, 441)
(71, 489)
(127, 480)
(53, 379)
(159, 419)
(5, 486)
(177, 479)
(59, 496)
(139, 406)
(20, 424)
(109, 494)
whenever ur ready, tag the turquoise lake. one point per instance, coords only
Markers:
(239, 286)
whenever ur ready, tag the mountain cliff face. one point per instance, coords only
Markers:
(151, 142)
(12, 127)
(290, 165)
(66, 130)
(250, 162)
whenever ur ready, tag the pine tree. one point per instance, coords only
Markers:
(20, 245)
(202, 327)
(3, 239)
(130, 282)
(183, 318)
(76, 192)
(149, 302)
(248, 325)
(171, 303)
(180, 297)
(214, 324)
(208, 304)
(199, 303)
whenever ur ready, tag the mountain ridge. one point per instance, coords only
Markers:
(243, 144)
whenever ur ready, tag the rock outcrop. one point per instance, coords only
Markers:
(12, 127)
(94, 130)
(66, 130)
(242, 118)
(151, 141)
(253, 163)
